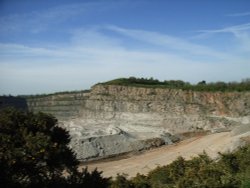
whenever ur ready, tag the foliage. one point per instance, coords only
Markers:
(121, 181)
(231, 170)
(140, 181)
(179, 84)
(34, 153)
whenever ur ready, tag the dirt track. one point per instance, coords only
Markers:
(148, 160)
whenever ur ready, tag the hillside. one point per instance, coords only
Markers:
(112, 119)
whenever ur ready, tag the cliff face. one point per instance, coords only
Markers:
(63, 106)
(160, 107)
(128, 114)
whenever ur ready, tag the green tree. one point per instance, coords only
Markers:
(34, 152)
(140, 181)
(121, 181)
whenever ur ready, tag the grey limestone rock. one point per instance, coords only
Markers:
(110, 120)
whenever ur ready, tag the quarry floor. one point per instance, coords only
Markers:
(148, 160)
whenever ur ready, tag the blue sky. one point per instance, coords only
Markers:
(48, 46)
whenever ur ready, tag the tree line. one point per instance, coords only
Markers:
(244, 85)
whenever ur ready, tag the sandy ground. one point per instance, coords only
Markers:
(148, 160)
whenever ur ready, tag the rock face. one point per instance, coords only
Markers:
(110, 120)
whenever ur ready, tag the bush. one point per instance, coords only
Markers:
(231, 170)
(179, 84)
(34, 153)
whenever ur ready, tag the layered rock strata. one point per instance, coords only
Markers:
(110, 120)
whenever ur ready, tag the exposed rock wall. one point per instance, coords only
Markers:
(172, 100)
(106, 101)
(174, 109)
(109, 120)
(63, 106)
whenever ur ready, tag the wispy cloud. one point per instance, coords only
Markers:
(93, 55)
(240, 32)
(167, 41)
(232, 29)
(37, 21)
(15, 50)
(239, 14)
(67, 47)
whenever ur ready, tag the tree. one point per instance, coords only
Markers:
(203, 82)
(34, 152)
(140, 181)
(121, 181)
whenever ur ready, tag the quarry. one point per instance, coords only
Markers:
(112, 120)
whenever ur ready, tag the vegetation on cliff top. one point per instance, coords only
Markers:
(244, 85)
(34, 153)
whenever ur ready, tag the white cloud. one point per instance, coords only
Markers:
(98, 53)
(168, 42)
(232, 29)
(239, 14)
(240, 32)
(18, 50)
(92, 56)
(92, 37)
(37, 21)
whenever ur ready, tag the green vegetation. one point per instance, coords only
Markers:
(232, 170)
(244, 85)
(34, 153)
(178, 84)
